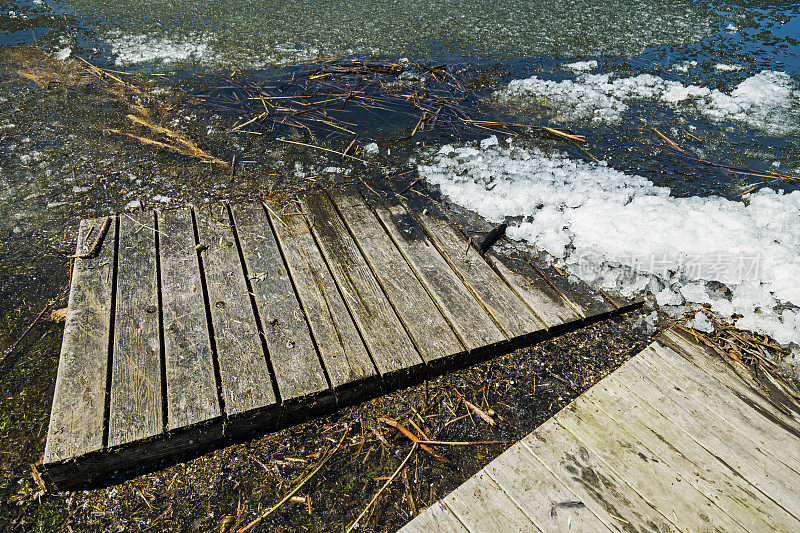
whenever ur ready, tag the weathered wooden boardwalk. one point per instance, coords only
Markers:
(191, 326)
(674, 440)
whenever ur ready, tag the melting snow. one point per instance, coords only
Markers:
(621, 232)
(132, 49)
(768, 101)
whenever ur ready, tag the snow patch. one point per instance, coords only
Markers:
(619, 231)
(133, 49)
(582, 66)
(768, 101)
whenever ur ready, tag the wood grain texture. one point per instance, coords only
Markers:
(191, 383)
(598, 486)
(508, 310)
(717, 437)
(294, 359)
(428, 329)
(534, 290)
(755, 510)
(482, 506)
(136, 410)
(389, 344)
(246, 380)
(548, 502)
(668, 490)
(436, 518)
(469, 319)
(341, 348)
(76, 418)
(586, 300)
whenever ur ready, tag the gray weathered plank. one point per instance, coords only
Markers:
(586, 300)
(76, 419)
(436, 518)
(482, 506)
(191, 384)
(718, 438)
(341, 348)
(428, 329)
(389, 344)
(245, 376)
(593, 483)
(294, 360)
(719, 403)
(701, 468)
(772, 404)
(469, 319)
(548, 502)
(508, 310)
(528, 283)
(664, 488)
(136, 394)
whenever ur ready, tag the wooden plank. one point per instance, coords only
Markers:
(508, 310)
(702, 469)
(771, 403)
(482, 506)
(136, 410)
(341, 348)
(527, 282)
(600, 488)
(718, 403)
(245, 376)
(388, 343)
(717, 438)
(76, 418)
(191, 384)
(664, 488)
(294, 359)
(436, 518)
(469, 319)
(548, 502)
(424, 322)
(586, 300)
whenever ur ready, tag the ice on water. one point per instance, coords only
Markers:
(619, 231)
(768, 101)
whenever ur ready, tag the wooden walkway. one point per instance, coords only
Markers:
(674, 440)
(192, 326)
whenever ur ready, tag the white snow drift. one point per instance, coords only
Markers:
(768, 101)
(619, 231)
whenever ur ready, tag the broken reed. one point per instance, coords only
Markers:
(340, 96)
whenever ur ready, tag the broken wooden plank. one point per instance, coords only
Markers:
(76, 418)
(136, 408)
(387, 340)
(191, 383)
(346, 359)
(508, 310)
(473, 325)
(424, 322)
(245, 376)
(297, 368)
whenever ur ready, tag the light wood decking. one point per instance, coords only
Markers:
(674, 440)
